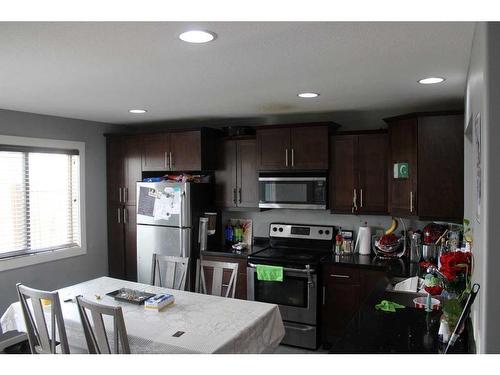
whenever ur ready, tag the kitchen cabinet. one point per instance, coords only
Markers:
(236, 174)
(344, 290)
(432, 146)
(303, 147)
(179, 151)
(123, 171)
(241, 279)
(358, 173)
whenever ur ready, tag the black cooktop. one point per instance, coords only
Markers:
(287, 256)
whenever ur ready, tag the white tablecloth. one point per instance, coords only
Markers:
(211, 324)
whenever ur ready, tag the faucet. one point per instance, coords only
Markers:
(433, 270)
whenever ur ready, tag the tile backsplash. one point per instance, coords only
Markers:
(262, 219)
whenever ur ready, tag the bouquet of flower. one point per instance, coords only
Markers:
(456, 267)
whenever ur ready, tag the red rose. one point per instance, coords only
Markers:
(434, 290)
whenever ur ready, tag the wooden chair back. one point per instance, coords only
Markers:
(95, 334)
(205, 267)
(40, 341)
(169, 272)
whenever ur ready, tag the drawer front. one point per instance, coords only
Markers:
(338, 274)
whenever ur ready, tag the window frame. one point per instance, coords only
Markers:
(28, 259)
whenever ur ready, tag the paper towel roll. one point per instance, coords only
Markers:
(364, 241)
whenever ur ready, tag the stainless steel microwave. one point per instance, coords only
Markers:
(297, 191)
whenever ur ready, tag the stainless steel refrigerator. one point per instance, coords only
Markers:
(167, 223)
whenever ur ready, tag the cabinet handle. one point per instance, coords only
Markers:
(119, 216)
(411, 201)
(324, 294)
(340, 276)
(120, 194)
(234, 197)
(165, 160)
(125, 195)
(239, 193)
(293, 157)
(361, 198)
(354, 200)
(171, 160)
(286, 157)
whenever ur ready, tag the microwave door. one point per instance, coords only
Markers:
(292, 192)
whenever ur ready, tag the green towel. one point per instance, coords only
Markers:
(269, 273)
(388, 306)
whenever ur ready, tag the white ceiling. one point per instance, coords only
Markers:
(363, 71)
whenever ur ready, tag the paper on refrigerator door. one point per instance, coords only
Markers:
(168, 203)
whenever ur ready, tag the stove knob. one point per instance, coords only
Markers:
(320, 231)
(281, 229)
(327, 232)
(275, 229)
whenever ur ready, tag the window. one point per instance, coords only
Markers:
(40, 191)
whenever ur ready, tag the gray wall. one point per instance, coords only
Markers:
(483, 96)
(57, 274)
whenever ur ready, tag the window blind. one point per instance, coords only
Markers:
(39, 200)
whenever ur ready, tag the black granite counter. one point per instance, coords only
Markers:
(407, 330)
(228, 251)
(399, 267)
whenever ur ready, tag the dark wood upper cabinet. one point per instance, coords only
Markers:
(403, 144)
(358, 177)
(372, 167)
(309, 147)
(185, 151)
(131, 167)
(114, 169)
(302, 147)
(178, 151)
(273, 148)
(155, 149)
(432, 145)
(236, 174)
(343, 173)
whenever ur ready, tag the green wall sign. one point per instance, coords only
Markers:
(401, 170)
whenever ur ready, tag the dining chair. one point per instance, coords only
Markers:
(40, 341)
(214, 271)
(96, 335)
(173, 269)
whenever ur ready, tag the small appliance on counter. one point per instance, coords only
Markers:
(297, 250)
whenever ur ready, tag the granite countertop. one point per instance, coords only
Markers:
(228, 251)
(399, 267)
(407, 330)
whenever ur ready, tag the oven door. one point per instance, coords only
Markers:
(296, 295)
(292, 192)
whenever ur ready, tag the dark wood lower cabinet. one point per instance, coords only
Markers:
(344, 290)
(122, 242)
(241, 279)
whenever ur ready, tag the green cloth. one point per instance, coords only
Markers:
(388, 306)
(269, 273)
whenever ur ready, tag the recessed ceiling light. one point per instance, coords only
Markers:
(197, 36)
(137, 110)
(308, 95)
(430, 80)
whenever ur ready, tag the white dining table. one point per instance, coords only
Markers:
(210, 324)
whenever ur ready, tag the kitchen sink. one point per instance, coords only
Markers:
(402, 297)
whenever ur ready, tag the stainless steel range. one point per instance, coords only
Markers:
(298, 249)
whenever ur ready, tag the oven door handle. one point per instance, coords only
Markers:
(307, 271)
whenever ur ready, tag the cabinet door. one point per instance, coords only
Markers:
(372, 166)
(130, 248)
(341, 303)
(116, 253)
(273, 148)
(343, 174)
(441, 167)
(155, 149)
(185, 150)
(114, 166)
(403, 144)
(247, 176)
(225, 174)
(132, 151)
(309, 147)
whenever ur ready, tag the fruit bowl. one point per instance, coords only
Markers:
(393, 249)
